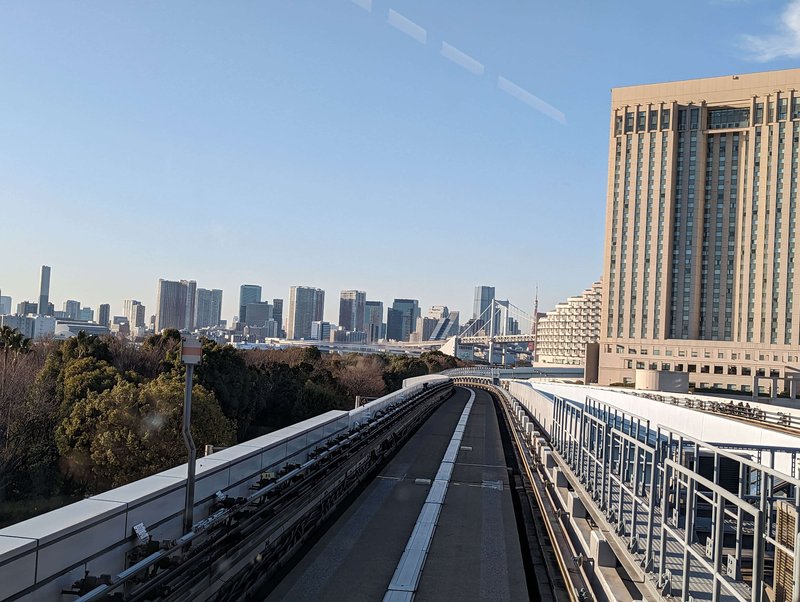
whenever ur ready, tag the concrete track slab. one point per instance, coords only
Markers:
(356, 558)
(475, 554)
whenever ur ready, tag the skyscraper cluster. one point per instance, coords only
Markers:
(183, 306)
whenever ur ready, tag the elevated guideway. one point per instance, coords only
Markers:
(385, 547)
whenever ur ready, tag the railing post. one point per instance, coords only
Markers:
(687, 537)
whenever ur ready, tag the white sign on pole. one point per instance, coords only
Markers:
(191, 350)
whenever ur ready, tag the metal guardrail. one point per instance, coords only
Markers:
(662, 490)
(740, 410)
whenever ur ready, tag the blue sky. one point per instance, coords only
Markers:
(332, 143)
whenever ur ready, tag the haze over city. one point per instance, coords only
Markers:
(323, 144)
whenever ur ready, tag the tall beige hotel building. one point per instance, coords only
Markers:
(701, 237)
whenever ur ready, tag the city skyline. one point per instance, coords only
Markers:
(230, 298)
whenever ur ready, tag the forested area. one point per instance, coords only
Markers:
(83, 415)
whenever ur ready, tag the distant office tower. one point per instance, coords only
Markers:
(26, 307)
(437, 312)
(258, 314)
(306, 305)
(191, 299)
(424, 329)
(446, 327)
(394, 324)
(320, 330)
(351, 310)
(86, 314)
(373, 321)
(44, 289)
(277, 315)
(134, 311)
(483, 298)
(564, 332)
(410, 310)
(5, 304)
(72, 309)
(248, 293)
(104, 314)
(174, 304)
(208, 308)
(701, 218)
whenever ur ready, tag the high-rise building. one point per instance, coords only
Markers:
(72, 309)
(483, 298)
(26, 307)
(424, 329)
(44, 289)
(410, 310)
(437, 312)
(701, 214)
(175, 303)
(248, 293)
(320, 330)
(191, 299)
(306, 305)
(394, 324)
(86, 314)
(5, 304)
(446, 327)
(277, 315)
(563, 333)
(351, 310)
(104, 314)
(135, 312)
(373, 321)
(208, 308)
(258, 314)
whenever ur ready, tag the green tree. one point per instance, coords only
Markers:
(83, 376)
(132, 431)
(438, 361)
(224, 371)
(401, 367)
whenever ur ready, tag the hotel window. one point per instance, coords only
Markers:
(783, 105)
(628, 122)
(664, 119)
